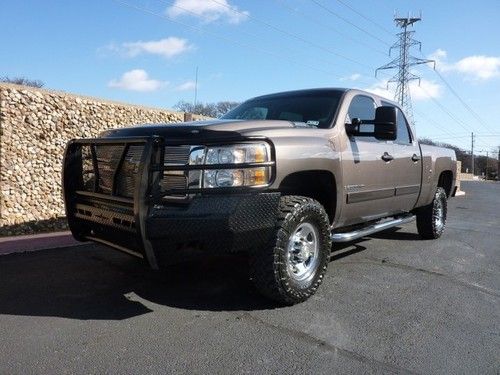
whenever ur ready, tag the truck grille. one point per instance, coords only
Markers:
(111, 169)
(107, 163)
(175, 155)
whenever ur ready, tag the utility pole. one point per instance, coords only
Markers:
(404, 62)
(487, 160)
(498, 164)
(196, 88)
(472, 153)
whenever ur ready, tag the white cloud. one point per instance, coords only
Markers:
(167, 47)
(481, 67)
(352, 77)
(137, 80)
(438, 55)
(426, 90)
(380, 88)
(477, 67)
(186, 86)
(209, 11)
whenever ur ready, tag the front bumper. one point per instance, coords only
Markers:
(146, 226)
(212, 224)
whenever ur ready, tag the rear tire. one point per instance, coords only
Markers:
(431, 219)
(291, 267)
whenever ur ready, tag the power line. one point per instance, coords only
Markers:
(463, 136)
(222, 37)
(445, 110)
(316, 22)
(215, 35)
(349, 22)
(436, 123)
(449, 113)
(464, 103)
(291, 35)
(366, 18)
(246, 33)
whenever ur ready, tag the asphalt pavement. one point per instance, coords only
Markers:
(390, 303)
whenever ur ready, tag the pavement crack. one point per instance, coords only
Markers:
(387, 367)
(387, 263)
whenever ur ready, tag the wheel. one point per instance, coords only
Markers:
(291, 267)
(431, 219)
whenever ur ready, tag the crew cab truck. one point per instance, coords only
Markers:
(280, 177)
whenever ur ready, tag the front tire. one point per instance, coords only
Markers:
(291, 267)
(431, 219)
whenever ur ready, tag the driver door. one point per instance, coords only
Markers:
(368, 178)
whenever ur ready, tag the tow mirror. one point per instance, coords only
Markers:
(384, 125)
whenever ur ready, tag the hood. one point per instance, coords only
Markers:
(231, 129)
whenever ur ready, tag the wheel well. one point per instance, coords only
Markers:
(445, 181)
(318, 184)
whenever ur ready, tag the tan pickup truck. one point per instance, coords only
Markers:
(280, 178)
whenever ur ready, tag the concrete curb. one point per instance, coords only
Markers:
(36, 242)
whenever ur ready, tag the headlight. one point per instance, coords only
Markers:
(252, 175)
(208, 167)
(237, 154)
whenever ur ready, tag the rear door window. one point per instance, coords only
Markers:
(404, 135)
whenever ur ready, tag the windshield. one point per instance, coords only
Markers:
(315, 110)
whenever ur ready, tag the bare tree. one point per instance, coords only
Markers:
(462, 155)
(208, 109)
(22, 81)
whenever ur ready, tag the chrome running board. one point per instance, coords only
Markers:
(374, 228)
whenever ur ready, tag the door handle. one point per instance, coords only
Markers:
(387, 157)
(415, 158)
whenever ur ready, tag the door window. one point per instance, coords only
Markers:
(362, 107)
(403, 137)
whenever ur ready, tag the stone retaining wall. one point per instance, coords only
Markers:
(35, 126)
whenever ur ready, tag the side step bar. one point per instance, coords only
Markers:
(374, 228)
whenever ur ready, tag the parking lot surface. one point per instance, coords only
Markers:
(391, 303)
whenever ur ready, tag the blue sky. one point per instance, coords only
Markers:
(147, 51)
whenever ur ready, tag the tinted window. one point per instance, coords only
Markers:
(362, 107)
(403, 132)
(315, 110)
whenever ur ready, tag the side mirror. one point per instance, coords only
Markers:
(384, 125)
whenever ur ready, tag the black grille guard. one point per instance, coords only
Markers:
(145, 189)
(110, 209)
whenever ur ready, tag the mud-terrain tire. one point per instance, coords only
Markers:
(431, 219)
(291, 267)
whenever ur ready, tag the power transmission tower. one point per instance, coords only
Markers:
(404, 62)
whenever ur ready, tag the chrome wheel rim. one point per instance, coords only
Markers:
(439, 215)
(303, 252)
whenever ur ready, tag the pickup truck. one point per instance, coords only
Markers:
(280, 177)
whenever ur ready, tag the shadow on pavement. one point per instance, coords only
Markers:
(93, 282)
(396, 235)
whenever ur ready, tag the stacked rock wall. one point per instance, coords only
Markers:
(35, 126)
